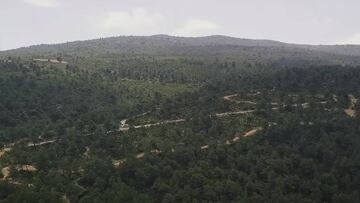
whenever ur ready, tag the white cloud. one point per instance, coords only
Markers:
(355, 39)
(141, 21)
(138, 21)
(43, 3)
(197, 27)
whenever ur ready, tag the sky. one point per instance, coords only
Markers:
(30, 22)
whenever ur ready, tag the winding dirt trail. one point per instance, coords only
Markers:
(8, 147)
(125, 127)
(183, 120)
(29, 168)
(140, 156)
(304, 105)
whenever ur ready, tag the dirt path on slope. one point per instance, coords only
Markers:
(3, 151)
(29, 168)
(76, 183)
(153, 124)
(118, 163)
(41, 143)
(219, 115)
(87, 151)
(125, 127)
(351, 110)
(252, 132)
(65, 198)
(234, 113)
(230, 98)
(246, 134)
(5, 172)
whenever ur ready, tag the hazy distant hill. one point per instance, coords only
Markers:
(351, 50)
(211, 46)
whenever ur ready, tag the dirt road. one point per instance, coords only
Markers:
(234, 113)
(153, 124)
(41, 143)
(230, 98)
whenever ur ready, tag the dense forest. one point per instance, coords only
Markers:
(163, 125)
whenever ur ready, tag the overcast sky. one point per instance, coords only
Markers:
(29, 22)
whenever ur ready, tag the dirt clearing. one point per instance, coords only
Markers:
(351, 110)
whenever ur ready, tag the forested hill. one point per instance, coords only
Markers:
(165, 45)
(352, 50)
(168, 119)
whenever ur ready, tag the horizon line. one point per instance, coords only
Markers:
(168, 35)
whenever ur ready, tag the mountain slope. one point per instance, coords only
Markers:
(222, 47)
(131, 43)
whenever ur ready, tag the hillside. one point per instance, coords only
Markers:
(211, 46)
(351, 50)
(171, 119)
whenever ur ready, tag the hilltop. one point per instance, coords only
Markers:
(204, 47)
